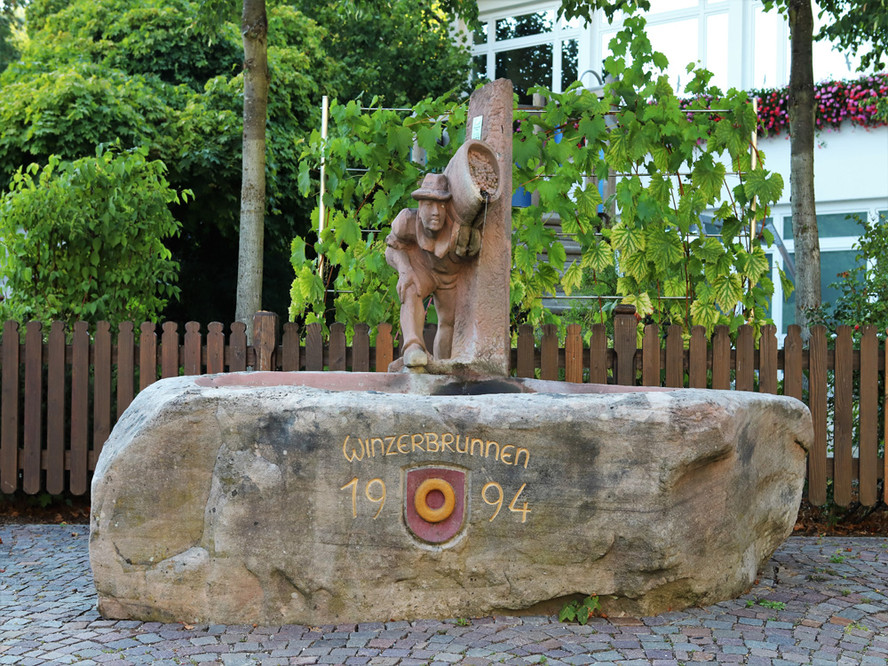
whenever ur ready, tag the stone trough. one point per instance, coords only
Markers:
(322, 498)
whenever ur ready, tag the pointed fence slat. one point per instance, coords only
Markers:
(573, 355)
(169, 350)
(80, 409)
(147, 355)
(842, 434)
(290, 347)
(549, 353)
(9, 410)
(650, 356)
(721, 358)
(817, 389)
(598, 364)
(314, 348)
(698, 358)
(792, 362)
(869, 416)
(361, 348)
(265, 341)
(384, 347)
(33, 435)
(237, 347)
(337, 347)
(526, 365)
(674, 356)
(55, 410)
(744, 375)
(191, 353)
(625, 344)
(52, 428)
(215, 348)
(101, 386)
(125, 366)
(768, 359)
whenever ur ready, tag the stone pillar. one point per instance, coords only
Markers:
(481, 340)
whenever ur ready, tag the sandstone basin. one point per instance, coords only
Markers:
(276, 498)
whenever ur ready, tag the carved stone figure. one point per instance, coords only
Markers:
(432, 245)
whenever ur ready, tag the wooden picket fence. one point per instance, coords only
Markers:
(62, 391)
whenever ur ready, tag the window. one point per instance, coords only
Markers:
(838, 233)
(530, 49)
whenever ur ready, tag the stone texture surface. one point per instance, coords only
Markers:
(805, 608)
(253, 503)
(481, 337)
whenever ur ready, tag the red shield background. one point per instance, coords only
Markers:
(450, 526)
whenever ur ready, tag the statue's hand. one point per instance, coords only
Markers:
(474, 246)
(405, 281)
(468, 242)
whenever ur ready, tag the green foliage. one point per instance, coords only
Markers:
(675, 169)
(167, 75)
(400, 61)
(853, 23)
(84, 239)
(136, 71)
(369, 179)
(580, 611)
(149, 37)
(8, 51)
(863, 289)
(776, 605)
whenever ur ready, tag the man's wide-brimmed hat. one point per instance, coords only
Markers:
(434, 186)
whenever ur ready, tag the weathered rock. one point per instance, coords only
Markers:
(250, 499)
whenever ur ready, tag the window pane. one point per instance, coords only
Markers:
(531, 66)
(525, 25)
(570, 50)
(575, 22)
(658, 6)
(765, 67)
(679, 51)
(831, 225)
(831, 265)
(717, 49)
(479, 35)
(479, 66)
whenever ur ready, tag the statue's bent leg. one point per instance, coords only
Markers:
(445, 306)
(412, 322)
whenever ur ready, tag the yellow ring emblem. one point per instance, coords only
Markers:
(426, 512)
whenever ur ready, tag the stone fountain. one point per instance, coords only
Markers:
(444, 488)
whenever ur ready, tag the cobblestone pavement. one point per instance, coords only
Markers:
(818, 601)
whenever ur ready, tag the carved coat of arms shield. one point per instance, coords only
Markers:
(435, 503)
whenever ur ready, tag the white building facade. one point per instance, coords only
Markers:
(745, 48)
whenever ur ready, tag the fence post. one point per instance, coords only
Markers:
(625, 344)
(265, 339)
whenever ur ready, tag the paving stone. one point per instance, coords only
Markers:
(43, 622)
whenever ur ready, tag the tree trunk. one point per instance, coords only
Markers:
(254, 26)
(801, 129)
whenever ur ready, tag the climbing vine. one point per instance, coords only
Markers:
(678, 234)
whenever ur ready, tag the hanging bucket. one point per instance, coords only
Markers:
(474, 177)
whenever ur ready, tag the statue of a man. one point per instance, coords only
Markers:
(433, 246)
(422, 247)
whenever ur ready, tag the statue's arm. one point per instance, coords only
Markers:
(402, 236)
(398, 242)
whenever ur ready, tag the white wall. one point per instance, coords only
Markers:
(849, 164)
